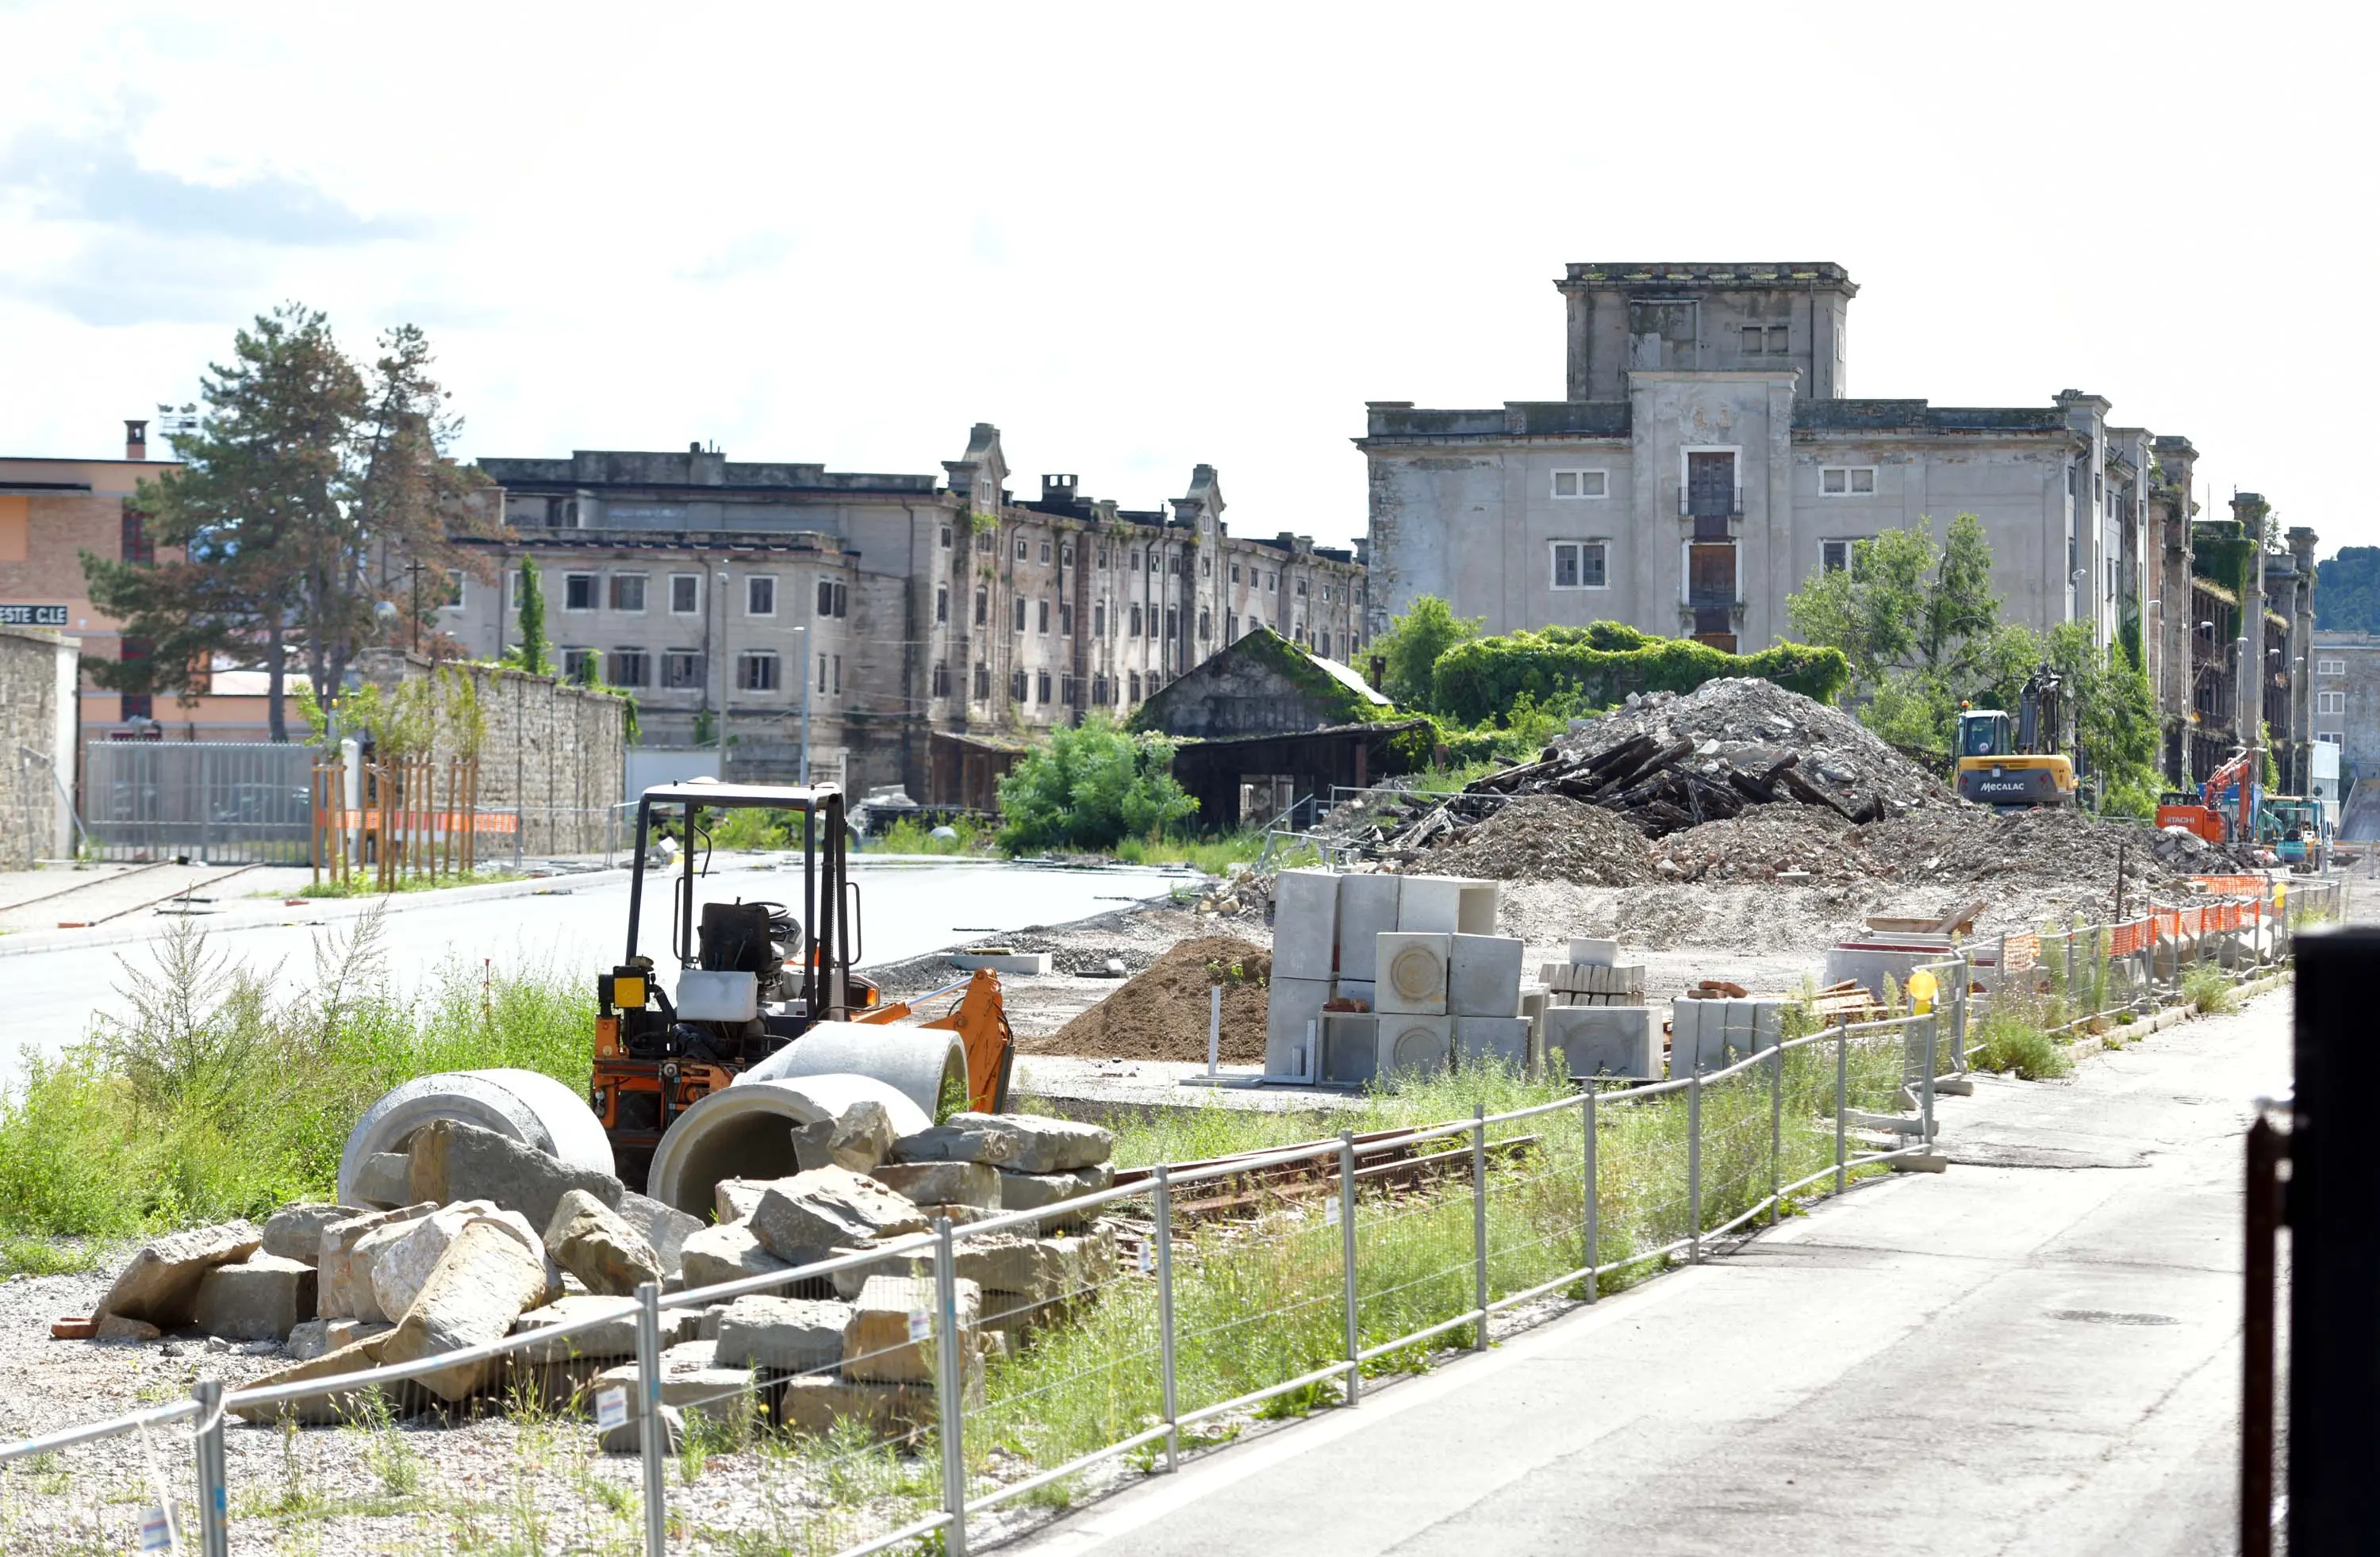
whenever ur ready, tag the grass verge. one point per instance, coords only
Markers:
(366, 884)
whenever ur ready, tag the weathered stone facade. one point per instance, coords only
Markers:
(555, 752)
(2346, 698)
(883, 611)
(38, 672)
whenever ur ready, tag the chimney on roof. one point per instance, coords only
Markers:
(136, 439)
(1059, 489)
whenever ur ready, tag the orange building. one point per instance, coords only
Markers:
(52, 510)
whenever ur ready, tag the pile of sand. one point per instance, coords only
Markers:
(1160, 1013)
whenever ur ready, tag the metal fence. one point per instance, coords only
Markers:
(213, 802)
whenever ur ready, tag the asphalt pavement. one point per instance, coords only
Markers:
(2036, 1352)
(574, 925)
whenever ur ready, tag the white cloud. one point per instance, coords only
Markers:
(1137, 240)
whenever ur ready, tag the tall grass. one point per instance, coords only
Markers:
(1215, 856)
(909, 836)
(2208, 990)
(2011, 1032)
(229, 1091)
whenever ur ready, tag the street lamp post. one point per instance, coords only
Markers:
(726, 669)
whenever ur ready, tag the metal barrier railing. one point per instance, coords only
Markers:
(1205, 1293)
(215, 802)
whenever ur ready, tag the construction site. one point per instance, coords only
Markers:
(1115, 1190)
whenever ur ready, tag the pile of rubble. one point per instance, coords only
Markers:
(504, 1240)
(1162, 1012)
(1668, 763)
(1550, 838)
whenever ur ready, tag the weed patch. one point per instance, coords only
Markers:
(2207, 990)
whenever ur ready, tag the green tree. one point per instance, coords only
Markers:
(305, 486)
(1920, 625)
(531, 653)
(2347, 590)
(2111, 714)
(1413, 646)
(1090, 787)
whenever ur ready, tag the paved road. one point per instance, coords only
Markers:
(905, 911)
(2005, 1359)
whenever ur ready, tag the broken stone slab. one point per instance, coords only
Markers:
(161, 1284)
(801, 1218)
(119, 1328)
(734, 1200)
(295, 1232)
(815, 1402)
(790, 1335)
(614, 1338)
(263, 1298)
(707, 1327)
(695, 1384)
(726, 1252)
(628, 1438)
(876, 1345)
(384, 1179)
(1037, 1269)
(318, 1337)
(402, 1259)
(484, 1282)
(331, 1407)
(852, 1279)
(595, 1243)
(453, 1161)
(664, 1228)
(343, 1286)
(1018, 1142)
(974, 1184)
(1031, 1191)
(859, 1139)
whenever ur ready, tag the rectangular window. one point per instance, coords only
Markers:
(1020, 613)
(837, 675)
(1098, 692)
(941, 679)
(626, 666)
(1231, 627)
(821, 672)
(682, 669)
(761, 596)
(1152, 560)
(1103, 557)
(946, 537)
(1752, 338)
(1134, 682)
(983, 606)
(1710, 486)
(833, 598)
(1100, 620)
(2330, 702)
(578, 665)
(1045, 551)
(1021, 550)
(686, 593)
(755, 670)
(137, 547)
(1235, 572)
(1578, 565)
(1174, 564)
(1853, 480)
(1016, 686)
(1205, 625)
(2330, 666)
(628, 592)
(1325, 645)
(2331, 737)
(1272, 583)
(454, 596)
(983, 540)
(1173, 623)
(1042, 686)
(1066, 620)
(941, 603)
(578, 592)
(1136, 621)
(1581, 484)
(1041, 617)
(1205, 567)
(1779, 340)
(1834, 556)
(1066, 555)
(1135, 559)
(983, 684)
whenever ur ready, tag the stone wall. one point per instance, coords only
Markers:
(555, 752)
(37, 745)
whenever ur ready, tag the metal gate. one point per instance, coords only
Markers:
(213, 802)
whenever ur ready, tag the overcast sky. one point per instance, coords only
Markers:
(1137, 237)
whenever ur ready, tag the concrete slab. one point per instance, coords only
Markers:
(1430, 904)
(1604, 1040)
(1367, 906)
(1416, 1045)
(1292, 1008)
(1502, 1040)
(1482, 976)
(1351, 1048)
(1412, 972)
(1304, 925)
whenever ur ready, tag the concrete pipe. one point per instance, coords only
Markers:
(531, 1108)
(746, 1132)
(926, 1065)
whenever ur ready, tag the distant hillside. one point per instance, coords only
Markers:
(2347, 590)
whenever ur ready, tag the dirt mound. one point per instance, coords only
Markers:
(2027, 855)
(1761, 845)
(1160, 1013)
(1548, 837)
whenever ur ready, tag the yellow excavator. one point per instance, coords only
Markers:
(743, 986)
(2015, 769)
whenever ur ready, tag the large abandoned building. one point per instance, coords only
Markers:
(1706, 458)
(913, 627)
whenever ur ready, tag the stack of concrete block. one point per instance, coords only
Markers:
(1585, 984)
(1595, 1021)
(1483, 1000)
(1711, 1035)
(1304, 963)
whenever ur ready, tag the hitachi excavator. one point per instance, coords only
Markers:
(768, 987)
(2017, 770)
(2222, 809)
